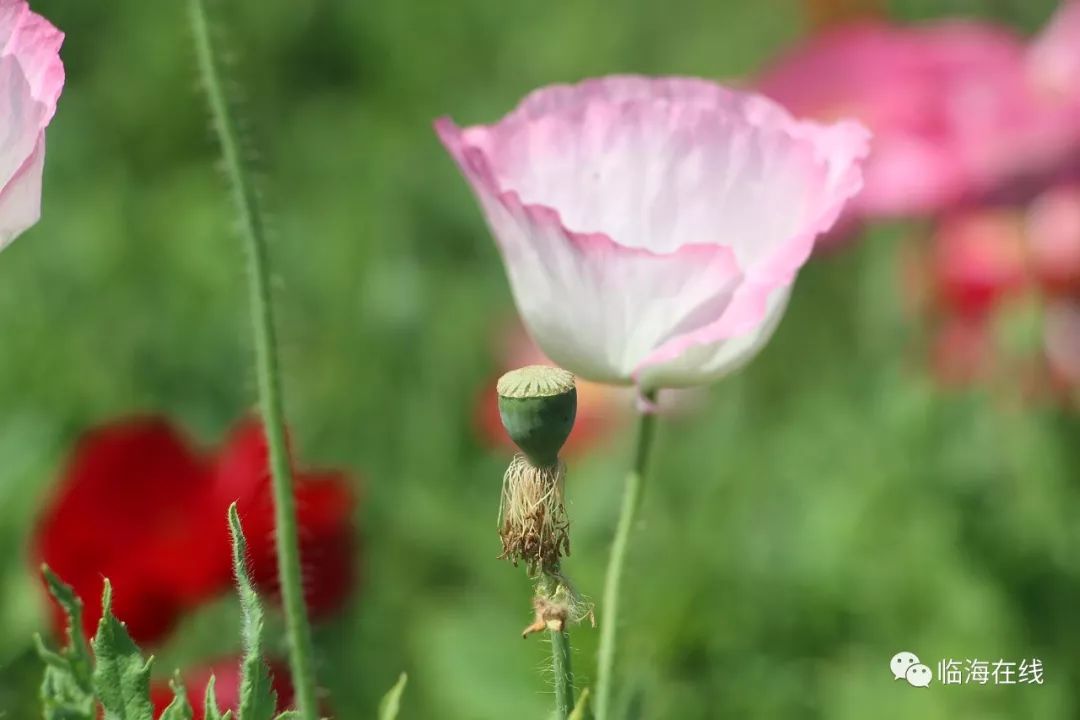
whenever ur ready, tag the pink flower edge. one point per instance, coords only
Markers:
(839, 147)
(749, 309)
(35, 44)
(474, 164)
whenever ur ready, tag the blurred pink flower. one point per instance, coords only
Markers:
(1054, 57)
(953, 107)
(31, 77)
(1053, 232)
(652, 227)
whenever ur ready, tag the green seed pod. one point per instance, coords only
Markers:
(537, 405)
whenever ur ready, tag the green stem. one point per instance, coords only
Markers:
(609, 617)
(550, 585)
(268, 373)
(564, 674)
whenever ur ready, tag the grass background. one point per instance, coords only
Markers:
(826, 508)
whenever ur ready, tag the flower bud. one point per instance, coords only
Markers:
(537, 405)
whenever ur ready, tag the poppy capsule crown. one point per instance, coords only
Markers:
(537, 405)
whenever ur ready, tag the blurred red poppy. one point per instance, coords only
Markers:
(1001, 285)
(324, 503)
(138, 506)
(980, 259)
(226, 675)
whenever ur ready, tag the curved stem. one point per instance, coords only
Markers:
(564, 674)
(267, 371)
(610, 613)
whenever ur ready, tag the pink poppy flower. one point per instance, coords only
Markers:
(652, 227)
(31, 77)
(952, 105)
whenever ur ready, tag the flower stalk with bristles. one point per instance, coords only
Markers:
(537, 405)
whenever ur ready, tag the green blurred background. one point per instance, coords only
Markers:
(826, 508)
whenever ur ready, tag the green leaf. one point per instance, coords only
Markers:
(121, 676)
(179, 708)
(210, 707)
(581, 709)
(289, 715)
(391, 702)
(258, 701)
(67, 691)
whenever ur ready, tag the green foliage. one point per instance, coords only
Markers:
(179, 708)
(67, 691)
(210, 707)
(391, 702)
(258, 701)
(581, 711)
(117, 675)
(121, 674)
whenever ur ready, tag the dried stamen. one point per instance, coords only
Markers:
(532, 518)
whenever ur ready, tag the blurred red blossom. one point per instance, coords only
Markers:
(138, 506)
(980, 258)
(324, 504)
(1004, 293)
(959, 110)
(226, 675)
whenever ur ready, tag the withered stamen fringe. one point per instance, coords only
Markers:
(532, 519)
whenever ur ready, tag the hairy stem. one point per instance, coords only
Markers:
(266, 367)
(564, 674)
(551, 588)
(609, 617)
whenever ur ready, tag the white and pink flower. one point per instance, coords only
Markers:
(31, 77)
(652, 227)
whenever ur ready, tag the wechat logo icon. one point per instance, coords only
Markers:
(906, 666)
